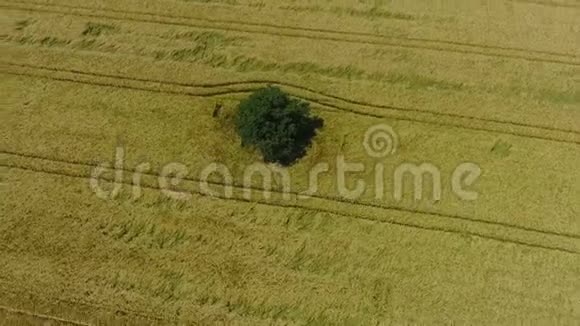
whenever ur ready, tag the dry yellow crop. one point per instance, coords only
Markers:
(459, 86)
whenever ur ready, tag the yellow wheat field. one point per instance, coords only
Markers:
(492, 83)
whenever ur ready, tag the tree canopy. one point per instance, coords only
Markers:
(279, 126)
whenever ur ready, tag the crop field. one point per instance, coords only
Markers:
(461, 85)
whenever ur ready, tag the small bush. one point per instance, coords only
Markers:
(280, 127)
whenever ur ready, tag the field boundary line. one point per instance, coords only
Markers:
(324, 105)
(42, 316)
(264, 82)
(341, 212)
(157, 19)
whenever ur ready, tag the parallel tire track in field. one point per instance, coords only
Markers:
(314, 34)
(264, 82)
(328, 31)
(341, 208)
(443, 120)
(94, 164)
(325, 106)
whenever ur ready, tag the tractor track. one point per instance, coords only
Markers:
(332, 198)
(264, 82)
(337, 32)
(289, 32)
(324, 104)
(470, 220)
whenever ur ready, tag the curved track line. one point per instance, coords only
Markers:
(261, 83)
(163, 91)
(318, 210)
(323, 105)
(42, 316)
(286, 34)
(329, 198)
(317, 30)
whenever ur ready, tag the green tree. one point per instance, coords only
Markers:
(280, 127)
